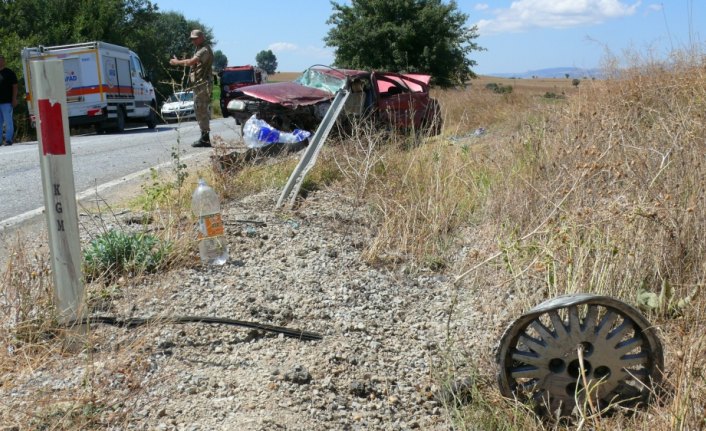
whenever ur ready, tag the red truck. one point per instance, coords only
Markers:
(233, 78)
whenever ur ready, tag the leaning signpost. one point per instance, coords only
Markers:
(312, 151)
(49, 99)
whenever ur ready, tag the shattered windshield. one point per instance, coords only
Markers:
(322, 79)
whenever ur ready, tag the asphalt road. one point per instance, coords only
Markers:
(99, 162)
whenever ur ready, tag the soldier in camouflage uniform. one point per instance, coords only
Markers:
(202, 83)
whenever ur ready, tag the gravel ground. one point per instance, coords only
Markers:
(384, 336)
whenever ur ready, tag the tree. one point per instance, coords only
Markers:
(220, 61)
(61, 21)
(136, 24)
(424, 36)
(267, 61)
(26, 23)
(167, 35)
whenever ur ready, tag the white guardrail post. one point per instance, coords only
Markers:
(49, 99)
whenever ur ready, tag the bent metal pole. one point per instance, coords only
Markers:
(49, 99)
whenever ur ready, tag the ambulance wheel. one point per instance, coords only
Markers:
(100, 128)
(151, 120)
(120, 121)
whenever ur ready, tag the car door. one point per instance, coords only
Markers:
(401, 101)
(143, 90)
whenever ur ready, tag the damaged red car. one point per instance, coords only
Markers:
(392, 100)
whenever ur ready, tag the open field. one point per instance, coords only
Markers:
(534, 86)
(283, 76)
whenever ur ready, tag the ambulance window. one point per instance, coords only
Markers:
(136, 66)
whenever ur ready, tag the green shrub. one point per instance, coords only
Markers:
(116, 253)
(552, 95)
(216, 102)
(499, 88)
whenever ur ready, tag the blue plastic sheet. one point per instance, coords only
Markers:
(257, 134)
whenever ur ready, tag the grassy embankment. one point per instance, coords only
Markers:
(601, 191)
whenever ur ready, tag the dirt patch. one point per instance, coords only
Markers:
(383, 332)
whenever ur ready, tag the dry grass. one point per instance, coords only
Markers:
(605, 194)
(600, 192)
(32, 343)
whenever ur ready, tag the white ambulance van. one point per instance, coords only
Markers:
(106, 85)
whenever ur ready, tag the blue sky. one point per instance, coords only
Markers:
(519, 35)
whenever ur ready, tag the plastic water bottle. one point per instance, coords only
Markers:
(205, 204)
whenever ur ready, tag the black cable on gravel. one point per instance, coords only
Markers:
(137, 321)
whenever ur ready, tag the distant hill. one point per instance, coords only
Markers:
(554, 72)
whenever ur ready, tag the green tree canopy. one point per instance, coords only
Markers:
(137, 24)
(267, 61)
(220, 61)
(60, 22)
(167, 37)
(424, 36)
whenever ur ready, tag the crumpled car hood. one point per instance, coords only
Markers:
(289, 94)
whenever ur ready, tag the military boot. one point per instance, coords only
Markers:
(203, 141)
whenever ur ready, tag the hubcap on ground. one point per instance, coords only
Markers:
(577, 345)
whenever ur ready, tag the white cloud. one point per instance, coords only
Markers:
(655, 7)
(526, 14)
(481, 6)
(282, 47)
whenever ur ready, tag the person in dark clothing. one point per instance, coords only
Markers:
(8, 100)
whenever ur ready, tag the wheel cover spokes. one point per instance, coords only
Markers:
(576, 345)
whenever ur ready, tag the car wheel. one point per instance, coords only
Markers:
(577, 348)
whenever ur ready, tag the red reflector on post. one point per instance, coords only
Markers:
(52, 126)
